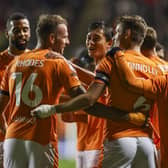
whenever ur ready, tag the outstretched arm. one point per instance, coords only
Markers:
(86, 100)
(80, 102)
(108, 112)
(150, 88)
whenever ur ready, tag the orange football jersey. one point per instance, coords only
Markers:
(5, 59)
(30, 80)
(157, 88)
(90, 134)
(163, 65)
(121, 97)
(154, 89)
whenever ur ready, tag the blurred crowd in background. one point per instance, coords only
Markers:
(80, 13)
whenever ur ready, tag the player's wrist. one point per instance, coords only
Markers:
(119, 53)
(53, 109)
(137, 119)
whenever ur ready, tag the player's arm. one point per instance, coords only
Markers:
(86, 100)
(108, 112)
(4, 90)
(77, 116)
(150, 88)
(84, 75)
(4, 98)
(126, 75)
(82, 101)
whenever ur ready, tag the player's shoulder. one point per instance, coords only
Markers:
(138, 57)
(3, 54)
(53, 55)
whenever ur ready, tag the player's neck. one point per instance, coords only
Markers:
(135, 48)
(42, 46)
(14, 52)
(149, 53)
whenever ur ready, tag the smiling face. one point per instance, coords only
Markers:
(97, 44)
(18, 34)
(61, 38)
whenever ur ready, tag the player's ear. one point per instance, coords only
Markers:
(52, 38)
(127, 33)
(110, 43)
(6, 34)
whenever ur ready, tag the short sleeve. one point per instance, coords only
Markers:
(103, 70)
(4, 86)
(153, 88)
(67, 75)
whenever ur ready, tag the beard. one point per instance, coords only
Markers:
(19, 45)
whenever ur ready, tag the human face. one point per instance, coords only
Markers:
(61, 39)
(120, 37)
(18, 34)
(96, 44)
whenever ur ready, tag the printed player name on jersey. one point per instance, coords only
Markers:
(164, 68)
(143, 68)
(30, 62)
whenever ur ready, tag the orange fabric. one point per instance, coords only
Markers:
(163, 65)
(89, 128)
(94, 130)
(5, 59)
(84, 75)
(157, 88)
(90, 135)
(121, 97)
(79, 116)
(46, 77)
(154, 123)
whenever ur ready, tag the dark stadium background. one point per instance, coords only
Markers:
(79, 14)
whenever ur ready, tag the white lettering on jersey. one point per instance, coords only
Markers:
(30, 62)
(164, 68)
(142, 68)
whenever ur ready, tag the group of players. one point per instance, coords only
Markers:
(116, 128)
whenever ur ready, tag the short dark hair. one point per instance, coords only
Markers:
(108, 33)
(136, 24)
(150, 39)
(47, 24)
(84, 60)
(15, 16)
(159, 46)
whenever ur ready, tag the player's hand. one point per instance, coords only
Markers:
(112, 51)
(138, 119)
(43, 111)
